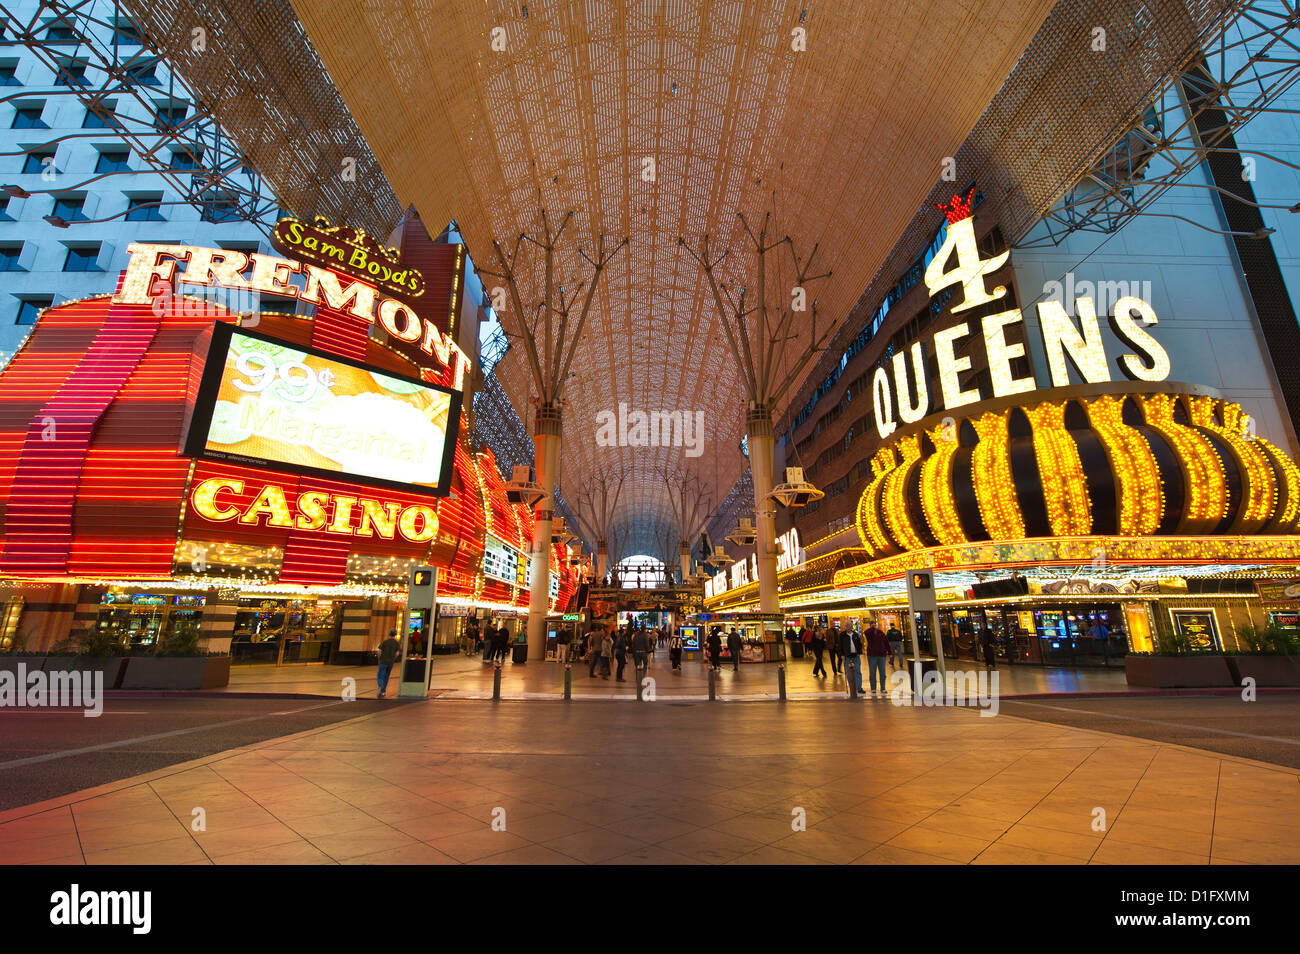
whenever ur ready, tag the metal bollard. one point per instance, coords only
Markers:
(639, 677)
(713, 688)
(851, 671)
(568, 680)
(780, 680)
(496, 682)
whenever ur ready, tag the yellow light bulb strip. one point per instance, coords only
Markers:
(1261, 486)
(1205, 496)
(936, 488)
(1141, 489)
(893, 499)
(1289, 516)
(1060, 471)
(870, 530)
(995, 489)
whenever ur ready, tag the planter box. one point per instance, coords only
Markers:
(33, 663)
(176, 672)
(112, 667)
(1268, 670)
(1177, 672)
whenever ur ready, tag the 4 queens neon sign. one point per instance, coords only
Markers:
(153, 269)
(897, 400)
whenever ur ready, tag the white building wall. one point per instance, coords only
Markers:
(1192, 279)
(45, 247)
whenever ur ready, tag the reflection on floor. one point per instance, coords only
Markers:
(680, 783)
(468, 677)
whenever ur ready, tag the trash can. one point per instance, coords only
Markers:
(519, 653)
(796, 648)
(927, 663)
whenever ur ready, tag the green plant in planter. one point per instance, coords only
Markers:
(183, 643)
(1272, 640)
(101, 642)
(1174, 643)
(17, 644)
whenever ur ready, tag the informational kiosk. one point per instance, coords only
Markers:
(921, 599)
(417, 634)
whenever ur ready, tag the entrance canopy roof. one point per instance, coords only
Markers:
(655, 120)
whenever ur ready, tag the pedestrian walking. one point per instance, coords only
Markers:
(715, 648)
(620, 653)
(733, 648)
(675, 651)
(641, 650)
(502, 643)
(895, 640)
(390, 654)
(986, 639)
(562, 646)
(818, 644)
(851, 650)
(877, 647)
(606, 654)
(833, 649)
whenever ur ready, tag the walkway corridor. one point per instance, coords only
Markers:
(679, 782)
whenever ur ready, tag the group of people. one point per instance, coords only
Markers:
(494, 639)
(734, 646)
(605, 647)
(847, 647)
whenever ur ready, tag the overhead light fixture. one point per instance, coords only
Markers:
(520, 489)
(795, 492)
(744, 535)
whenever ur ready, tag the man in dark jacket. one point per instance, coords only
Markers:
(733, 648)
(851, 650)
(715, 648)
(818, 644)
(877, 647)
(833, 648)
(640, 650)
(502, 643)
(390, 652)
(620, 653)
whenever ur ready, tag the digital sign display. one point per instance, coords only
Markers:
(503, 562)
(271, 403)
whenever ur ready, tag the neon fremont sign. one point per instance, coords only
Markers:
(316, 510)
(153, 268)
(896, 401)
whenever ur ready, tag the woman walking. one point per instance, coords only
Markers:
(818, 645)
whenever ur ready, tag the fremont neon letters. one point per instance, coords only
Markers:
(316, 510)
(151, 264)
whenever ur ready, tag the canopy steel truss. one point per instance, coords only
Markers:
(177, 138)
(1243, 72)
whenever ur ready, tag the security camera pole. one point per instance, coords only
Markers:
(549, 344)
(757, 337)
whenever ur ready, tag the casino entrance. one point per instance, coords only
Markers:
(279, 631)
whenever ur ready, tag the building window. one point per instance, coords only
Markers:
(105, 117)
(29, 117)
(61, 33)
(29, 309)
(168, 117)
(9, 258)
(186, 158)
(82, 258)
(144, 74)
(37, 162)
(70, 73)
(113, 162)
(4, 209)
(219, 207)
(9, 74)
(144, 208)
(70, 208)
(127, 34)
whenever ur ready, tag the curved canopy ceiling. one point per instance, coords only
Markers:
(842, 140)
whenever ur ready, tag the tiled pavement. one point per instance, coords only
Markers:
(680, 783)
(469, 678)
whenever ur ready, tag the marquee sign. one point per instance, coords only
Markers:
(350, 251)
(899, 401)
(157, 269)
(219, 499)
